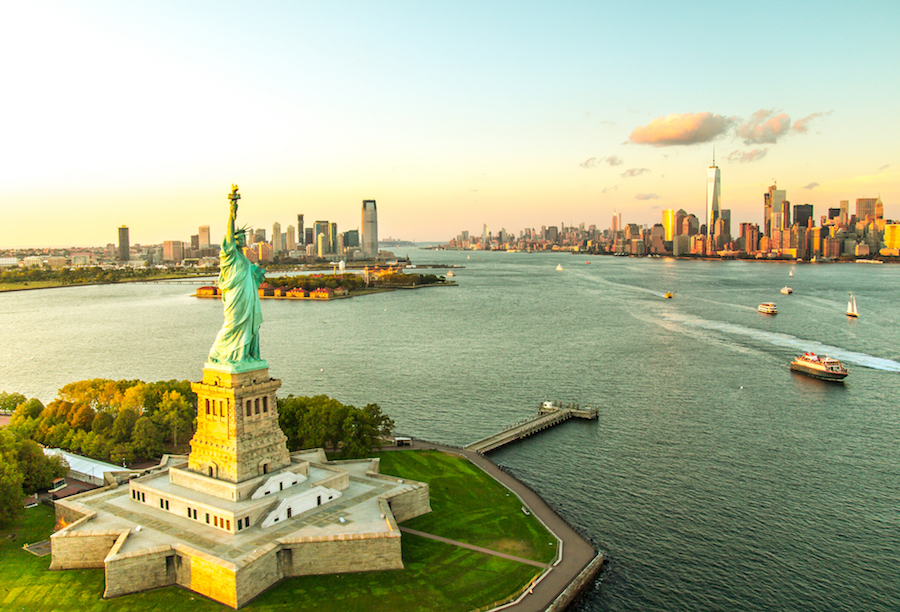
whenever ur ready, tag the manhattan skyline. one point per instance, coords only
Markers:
(450, 116)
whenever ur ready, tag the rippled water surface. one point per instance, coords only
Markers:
(715, 479)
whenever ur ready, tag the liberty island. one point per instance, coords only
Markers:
(240, 512)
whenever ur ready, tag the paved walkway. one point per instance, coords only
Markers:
(577, 554)
(486, 551)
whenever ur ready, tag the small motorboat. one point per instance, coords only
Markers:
(786, 290)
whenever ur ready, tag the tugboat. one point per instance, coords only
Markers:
(823, 368)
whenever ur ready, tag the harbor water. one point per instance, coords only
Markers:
(714, 479)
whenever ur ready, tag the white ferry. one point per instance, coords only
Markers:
(824, 368)
(786, 290)
(767, 308)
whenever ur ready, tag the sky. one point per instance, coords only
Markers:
(449, 115)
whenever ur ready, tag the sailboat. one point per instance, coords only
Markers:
(851, 307)
(791, 273)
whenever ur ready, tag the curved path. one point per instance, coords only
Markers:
(577, 554)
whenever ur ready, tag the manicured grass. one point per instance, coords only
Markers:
(468, 506)
(474, 509)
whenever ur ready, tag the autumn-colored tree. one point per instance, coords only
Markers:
(147, 438)
(177, 414)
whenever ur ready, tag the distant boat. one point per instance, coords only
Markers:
(767, 308)
(791, 273)
(668, 295)
(450, 274)
(559, 267)
(786, 290)
(851, 307)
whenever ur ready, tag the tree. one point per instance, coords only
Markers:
(38, 470)
(28, 409)
(146, 439)
(82, 418)
(177, 414)
(122, 454)
(11, 492)
(9, 401)
(102, 423)
(123, 426)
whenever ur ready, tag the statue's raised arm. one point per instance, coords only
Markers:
(237, 344)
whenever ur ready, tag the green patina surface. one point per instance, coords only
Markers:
(437, 576)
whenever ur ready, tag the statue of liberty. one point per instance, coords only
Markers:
(238, 341)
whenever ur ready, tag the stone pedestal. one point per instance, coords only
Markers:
(237, 437)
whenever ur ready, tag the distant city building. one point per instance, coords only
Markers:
(845, 211)
(124, 252)
(259, 235)
(869, 206)
(713, 196)
(369, 229)
(173, 250)
(277, 246)
(195, 241)
(204, 237)
(351, 238)
(308, 236)
(803, 214)
(668, 223)
(333, 238)
(320, 228)
(300, 231)
(291, 236)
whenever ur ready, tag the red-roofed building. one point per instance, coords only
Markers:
(322, 293)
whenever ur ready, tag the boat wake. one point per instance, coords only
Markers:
(791, 342)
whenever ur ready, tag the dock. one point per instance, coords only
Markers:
(549, 414)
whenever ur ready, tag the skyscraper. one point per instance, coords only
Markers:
(713, 196)
(277, 246)
(802, 214)
(369, 227)
(301, 237)
(124, 253)
(204, 237)
(320, 228)
(668, 223)
(291, 243)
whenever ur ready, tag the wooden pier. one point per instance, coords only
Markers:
(549, 414)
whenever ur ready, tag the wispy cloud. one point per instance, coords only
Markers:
(631, 172)
(646, 196)
(884, 167)
(683, 129)
(593, 162)
(811, 186)
(745, 157)
(764, 127)
(802, 125)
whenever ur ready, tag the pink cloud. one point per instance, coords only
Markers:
(683, 129)
(590, 162)
(764, 127)
(745, 157)
(802, 125)
(632, 172)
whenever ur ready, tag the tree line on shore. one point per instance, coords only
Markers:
(80, 275)
(129, 420)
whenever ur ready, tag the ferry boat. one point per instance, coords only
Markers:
(767, 308)
(786, 290)
(823, 368)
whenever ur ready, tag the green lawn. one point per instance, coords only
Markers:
(468, 506)
(474, 509)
